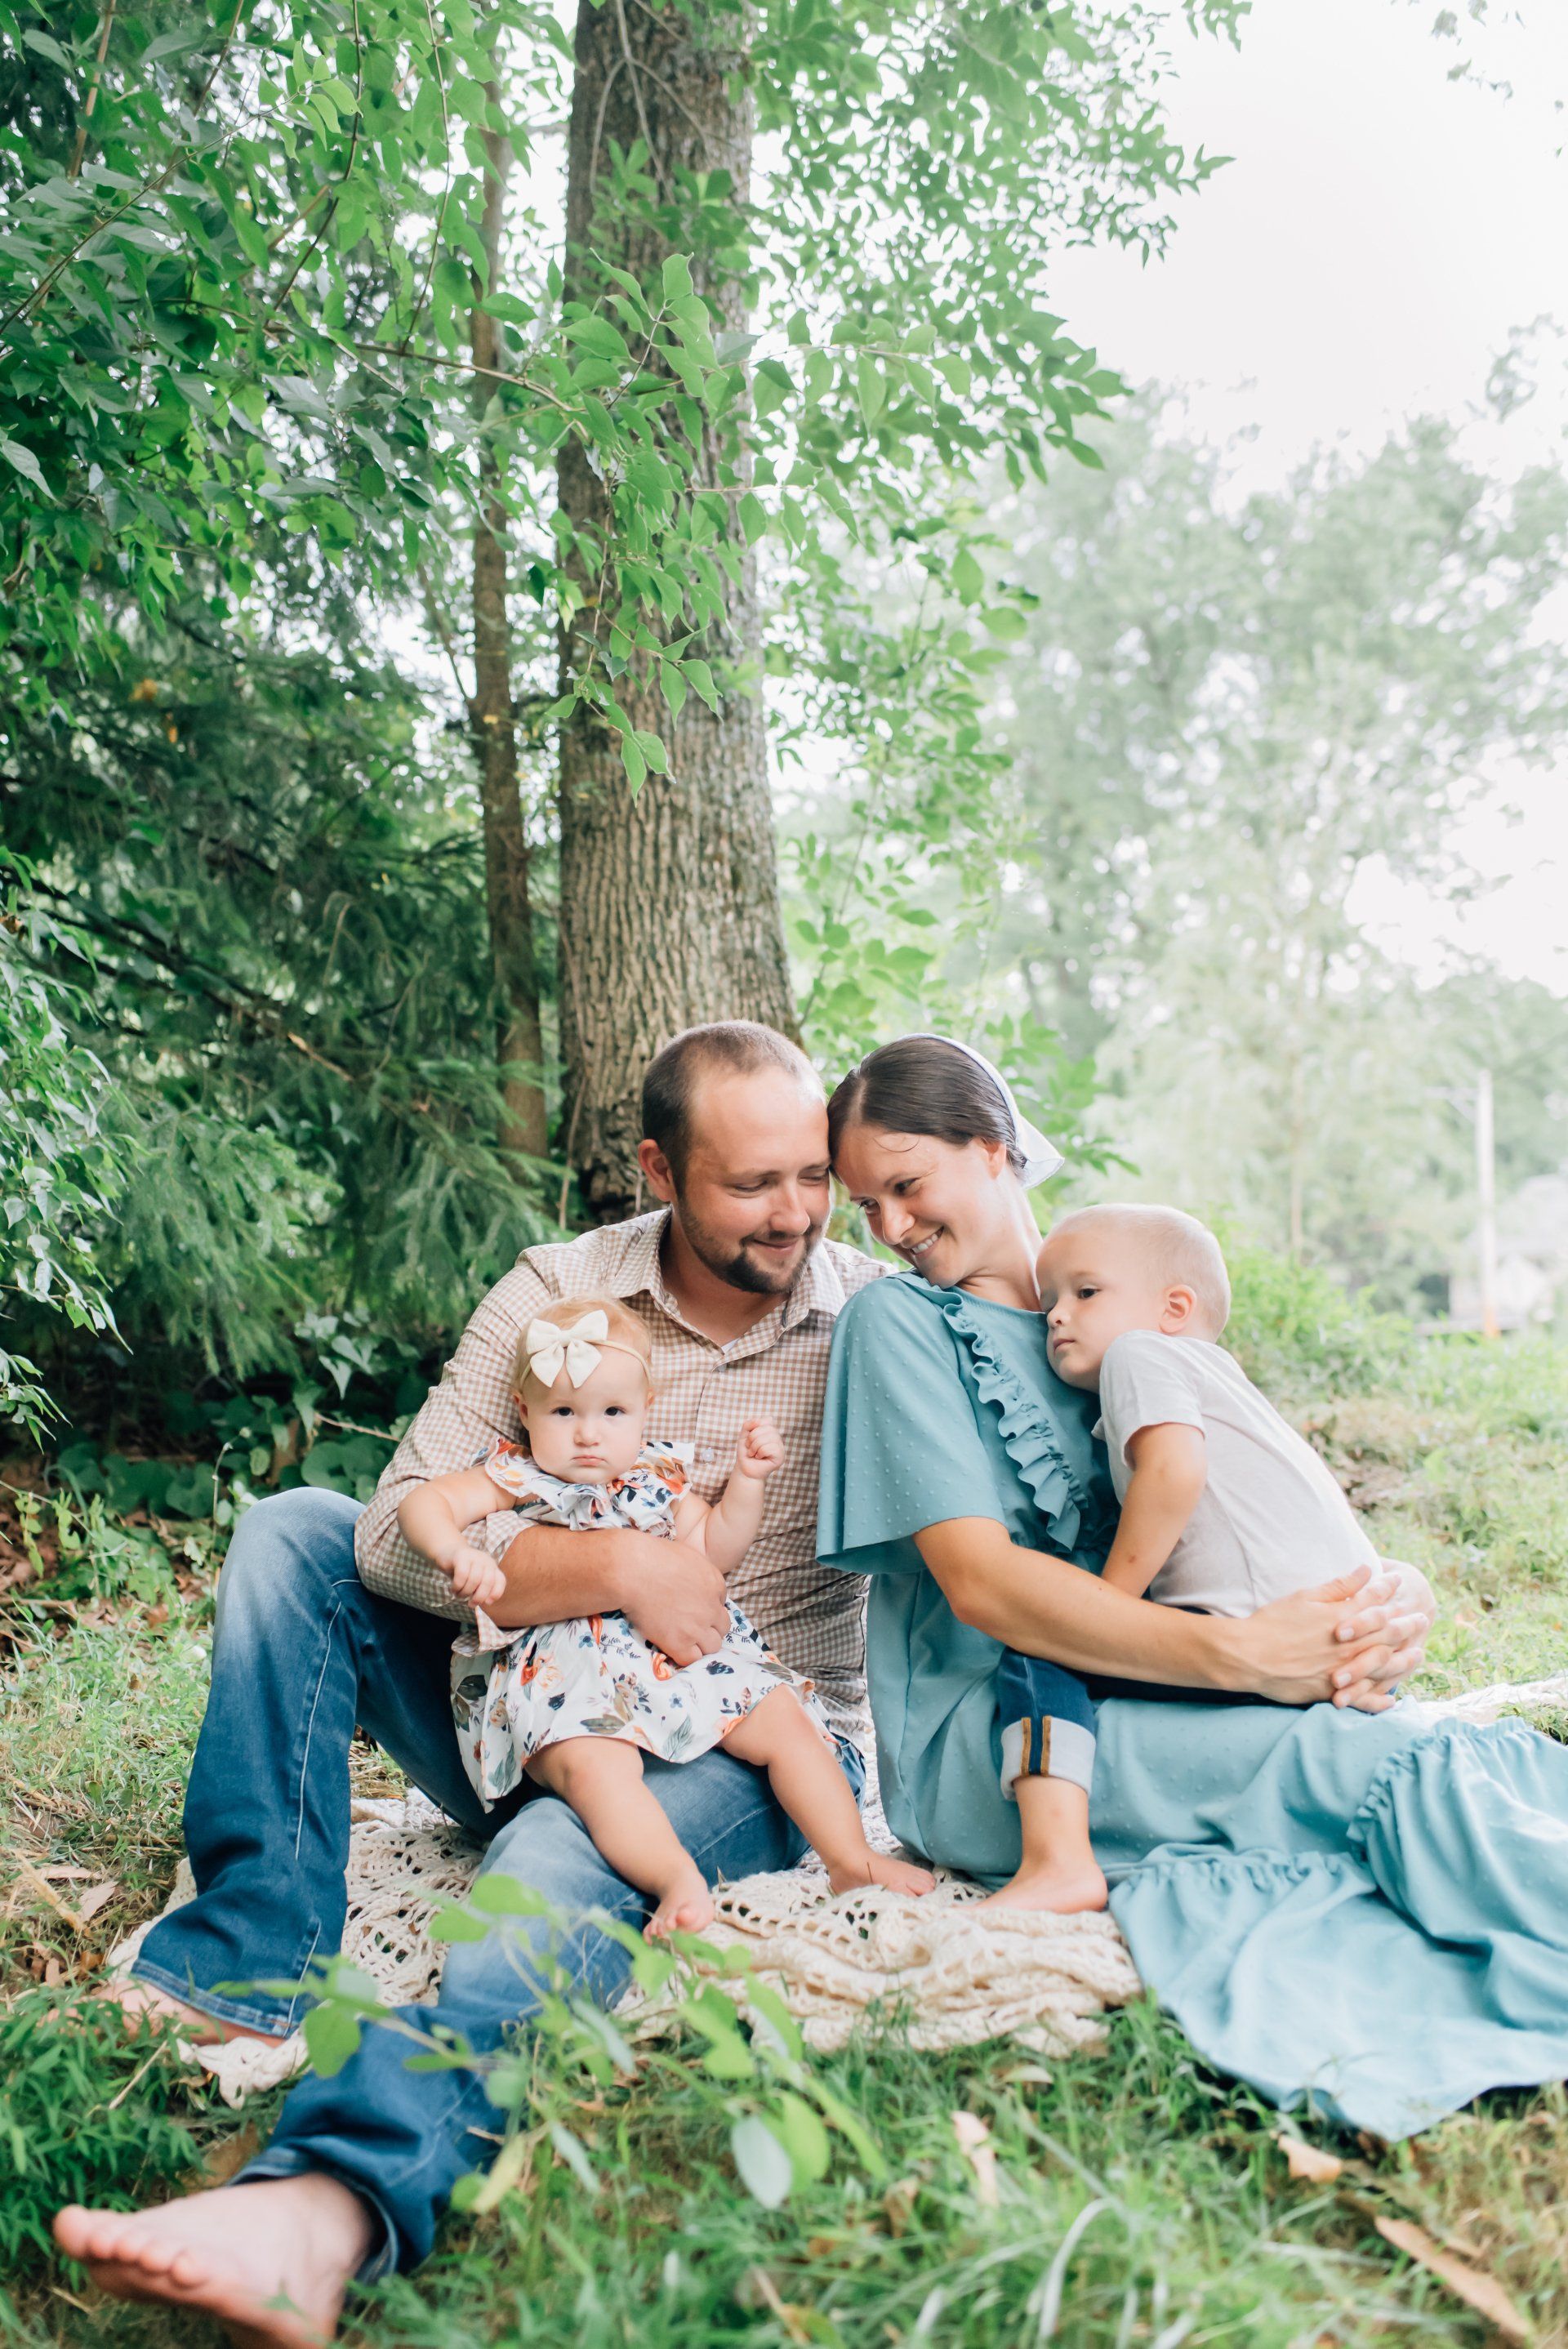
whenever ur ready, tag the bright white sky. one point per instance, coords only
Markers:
(1364, 258)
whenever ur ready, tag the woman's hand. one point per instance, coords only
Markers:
(1415, 1604)
(1343, 1643)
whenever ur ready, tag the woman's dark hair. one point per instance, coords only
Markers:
(921, 1085)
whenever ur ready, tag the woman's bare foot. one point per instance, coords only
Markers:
(870, 1867)
(1067, 1889)
(686, 1906)
(270, 2261)
(135, 1999)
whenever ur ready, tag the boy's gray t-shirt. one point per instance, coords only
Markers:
(1270, 1519)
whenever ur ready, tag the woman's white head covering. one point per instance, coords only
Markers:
(1041, 1158)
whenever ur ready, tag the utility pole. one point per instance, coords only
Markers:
(1486, 1193)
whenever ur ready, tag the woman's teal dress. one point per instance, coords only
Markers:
(1368, 1909)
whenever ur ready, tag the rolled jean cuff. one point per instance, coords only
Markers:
(272, 2020)
(1043, 1747)
(293, 2161)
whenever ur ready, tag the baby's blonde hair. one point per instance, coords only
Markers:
(1175, 1247)
(626, 1334)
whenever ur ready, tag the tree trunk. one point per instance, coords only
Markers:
(524, 1125)
(669, 900)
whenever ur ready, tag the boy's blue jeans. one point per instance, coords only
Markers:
(304, 1651)
(1047, 1723)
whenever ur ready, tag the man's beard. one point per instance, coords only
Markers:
(730, 1263)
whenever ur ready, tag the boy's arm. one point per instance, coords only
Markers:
(1170, 1470)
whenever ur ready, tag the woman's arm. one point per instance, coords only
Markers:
(1340, 1642)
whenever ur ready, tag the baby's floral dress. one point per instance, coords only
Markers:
(515, 1693)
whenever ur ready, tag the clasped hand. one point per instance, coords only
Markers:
(1348, 1643)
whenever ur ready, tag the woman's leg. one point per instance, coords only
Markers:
(601, 1778)
(1048, 1768)
(778, 1736)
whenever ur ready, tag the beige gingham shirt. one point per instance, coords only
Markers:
(704, 1394)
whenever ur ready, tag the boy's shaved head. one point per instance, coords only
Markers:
(1173, 1247)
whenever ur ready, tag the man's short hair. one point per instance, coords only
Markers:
(1176, 1248)
(738, 1046)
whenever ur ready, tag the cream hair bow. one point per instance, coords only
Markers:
(552, 1349)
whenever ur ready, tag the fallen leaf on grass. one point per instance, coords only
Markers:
(1308, 2161)
(96, 1897)
(975, 2142)
(1479, 2292)
(898, 2203)
(229, 2156)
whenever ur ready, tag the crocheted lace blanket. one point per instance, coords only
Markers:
(944, 1971)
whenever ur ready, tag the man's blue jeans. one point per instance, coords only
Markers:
(304, 1651)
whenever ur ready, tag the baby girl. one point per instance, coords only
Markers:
(577, 1705)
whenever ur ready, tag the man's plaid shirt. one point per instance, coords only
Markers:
(703, 1394)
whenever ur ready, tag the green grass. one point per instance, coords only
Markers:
(1197, 2232)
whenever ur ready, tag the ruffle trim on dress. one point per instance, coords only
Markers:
(1378, 1802)
(1068, 1509)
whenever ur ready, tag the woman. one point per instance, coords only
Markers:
(1298, 1885)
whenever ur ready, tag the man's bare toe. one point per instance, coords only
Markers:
(268, 2259)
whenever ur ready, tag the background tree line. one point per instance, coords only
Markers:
(466, 492)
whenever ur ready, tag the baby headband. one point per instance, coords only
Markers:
(550, 1348)
(1041, 1158)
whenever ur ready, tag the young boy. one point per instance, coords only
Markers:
(1224, 1507)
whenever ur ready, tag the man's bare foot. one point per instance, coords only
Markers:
(870, 1867)
(271, 2260)
(686, 1906)
(1067, 1889)
(135, 1999)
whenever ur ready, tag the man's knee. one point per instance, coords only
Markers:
(286, 1550)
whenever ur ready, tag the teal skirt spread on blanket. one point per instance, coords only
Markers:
(1370, 1910)
(1367, 1911)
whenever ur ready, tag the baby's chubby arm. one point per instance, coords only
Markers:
(726, 1531)
(433, 1518)
(1170, 1470)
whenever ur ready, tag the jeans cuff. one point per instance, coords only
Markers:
(272, 2021)
(286, 2161)
(1047, 1749)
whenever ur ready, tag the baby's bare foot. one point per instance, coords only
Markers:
(686, 1906)
(870, 1867)
(1067, 1890)
(135, 1999)
(270, 2261)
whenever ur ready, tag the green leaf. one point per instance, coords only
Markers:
(25, 463)
(753, 518)
(956, 370)
(451, 1923)
(673, 686)
(699, 677)
(968, 579)
(766, 2170)
(601, 340)
(635, 763)
(331, 2037)
(676, 278)
(1006, 620)
(770, 386)
(495, 1895)
(804, 2139)
(871, 389)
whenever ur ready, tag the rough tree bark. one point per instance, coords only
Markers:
(669, 902)
(524, 1123)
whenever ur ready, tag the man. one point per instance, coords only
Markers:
(738, 1291)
